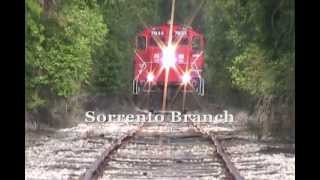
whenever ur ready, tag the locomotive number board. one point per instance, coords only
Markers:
(180, 33)
(157, 33)
(161, 33)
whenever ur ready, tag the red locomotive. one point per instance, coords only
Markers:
(179, 53)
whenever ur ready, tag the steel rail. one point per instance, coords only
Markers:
(97, 167)
(233, 171)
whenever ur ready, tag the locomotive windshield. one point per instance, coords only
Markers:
(141, 42)
(196, 44)
(184, 41)
(152, 42)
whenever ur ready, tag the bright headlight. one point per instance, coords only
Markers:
(168, 57)
(150, 77)
(186, 78)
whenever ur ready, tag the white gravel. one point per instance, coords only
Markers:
(254, 162)
(251, 157)
(66, 153)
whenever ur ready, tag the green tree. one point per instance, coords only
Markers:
(60, 41)
(114, 58)
(34, 52)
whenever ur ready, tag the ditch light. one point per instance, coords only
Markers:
(186, 78)
(150, 77)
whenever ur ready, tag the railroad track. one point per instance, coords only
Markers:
(164, 150)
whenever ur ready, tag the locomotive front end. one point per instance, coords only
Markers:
(177, 63)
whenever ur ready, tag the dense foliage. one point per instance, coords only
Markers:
(250, 53)
(251, 45)
(60, 40)
(113, 60)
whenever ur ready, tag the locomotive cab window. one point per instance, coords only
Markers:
(184, 42)
(152, 41)
(196, 44)
(141, 42)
